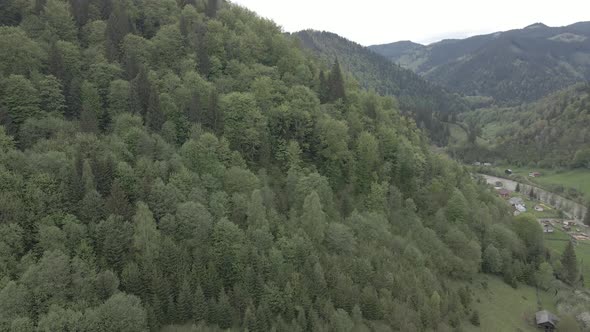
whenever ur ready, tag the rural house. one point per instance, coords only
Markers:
(504, 193)
(546, 320)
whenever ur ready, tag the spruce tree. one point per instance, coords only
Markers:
(336, 83)
(184, 305)
(213, 7)
(570, 264)
(200, 305)
(155, 118)
(118, 26)
(587, 217)
(517, 188)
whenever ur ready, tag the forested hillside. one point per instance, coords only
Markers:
(553, 132)
(512, 67)
(172, 162)
(427, 103)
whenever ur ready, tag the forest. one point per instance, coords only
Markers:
(185, 163)
(550, 133)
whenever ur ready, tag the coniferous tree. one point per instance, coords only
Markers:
(336, 83)
(517, 188)
(80, 10)
(323, 89)
(154, 118)
(200, 305)
(570, 264)
(141, 89)
(587, 216)
(118, 26)
(184, 305)
(213, 7)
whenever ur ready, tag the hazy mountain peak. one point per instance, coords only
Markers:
(536, 26)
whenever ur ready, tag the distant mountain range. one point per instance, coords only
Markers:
(512, 67)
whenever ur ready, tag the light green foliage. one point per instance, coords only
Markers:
(18, 53)
(20, 98)
(119, 313)
(51, 95)
(528, 229)
(145, 236)
(59, 23)
(313, 218)
(457, 207)
(244, 123)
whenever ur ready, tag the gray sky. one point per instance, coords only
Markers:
(383, 21)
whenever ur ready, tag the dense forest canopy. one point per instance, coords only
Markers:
(183, 162)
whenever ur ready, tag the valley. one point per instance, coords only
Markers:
(193, 165)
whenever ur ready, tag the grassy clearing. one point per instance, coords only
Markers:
(503, 308)
(578, 179)
(557, 241)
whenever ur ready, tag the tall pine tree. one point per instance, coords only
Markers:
(118, 26)
(570, 264)
(336, 83)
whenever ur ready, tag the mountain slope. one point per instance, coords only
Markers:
(170, 164)
(426, 101)
(512, 67)
(552, 132)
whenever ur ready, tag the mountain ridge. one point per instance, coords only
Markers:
(514, 66)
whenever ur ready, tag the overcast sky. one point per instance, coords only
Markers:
(424, 21)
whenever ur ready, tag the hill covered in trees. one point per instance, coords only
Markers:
(552, 132)
(172, 162)
(428, 103)
(512, 67)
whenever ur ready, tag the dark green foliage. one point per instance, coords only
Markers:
(118, 25)
(569, 262)
(335, 90)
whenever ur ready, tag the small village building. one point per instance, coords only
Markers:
(546, 320)
(534, 174)
(504, 193)
(499, 184)
(548, 229)
(487, 164)
(520, 207)
(508, 172)
(514, 201)
(477, 163)
(539, 208)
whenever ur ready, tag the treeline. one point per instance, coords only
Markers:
(429, 105)
(552, 132)
(167, 162)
